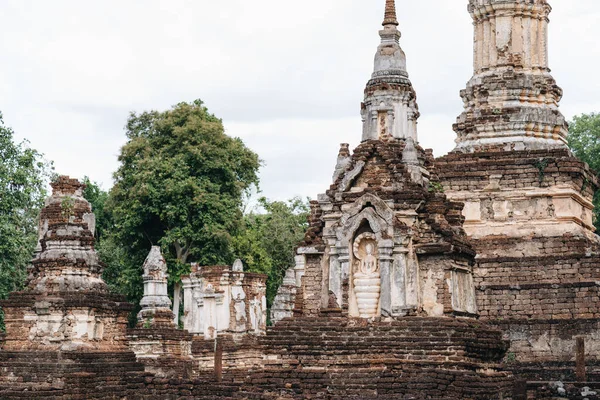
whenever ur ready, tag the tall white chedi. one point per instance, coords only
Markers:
(511, 102)
(156, 304)
(389, 109)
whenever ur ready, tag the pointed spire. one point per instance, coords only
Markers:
(389, 109)
(390, 32)
(390, 13)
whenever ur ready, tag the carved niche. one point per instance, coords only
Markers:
(366, 275)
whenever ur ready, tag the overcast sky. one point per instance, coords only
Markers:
(285, 76)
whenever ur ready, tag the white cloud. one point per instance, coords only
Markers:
(285, 76)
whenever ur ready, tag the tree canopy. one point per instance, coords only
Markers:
(584, 141)
(180, 185)
(23, 178)
(267, 239)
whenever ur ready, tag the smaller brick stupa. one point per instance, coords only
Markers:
(65, 333)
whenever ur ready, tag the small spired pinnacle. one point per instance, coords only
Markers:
(342, 161)
(389, 110)
(156, 304)
(390, 13)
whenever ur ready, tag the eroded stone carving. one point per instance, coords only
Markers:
(224, 300)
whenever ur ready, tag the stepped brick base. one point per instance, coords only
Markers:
(245, 353)
(341, 358)
(67, 375)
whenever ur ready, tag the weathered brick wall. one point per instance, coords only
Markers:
(242, 353)
(539, 288)
(553, 260)
(163, 350)
(67, 375)
(312, 283)
(540, 300)
(411, 358)
(109, 310)
(518, 169)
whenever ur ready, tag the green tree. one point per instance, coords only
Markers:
(97, 198)
(119, 270)
(23, 178)
(179, 185)
(584, 141)
(268, 238)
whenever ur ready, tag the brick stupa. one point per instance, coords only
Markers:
(65, 334)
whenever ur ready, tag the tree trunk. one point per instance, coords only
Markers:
(182, 255)
(176, 302)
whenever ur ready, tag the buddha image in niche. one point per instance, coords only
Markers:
(369, 263)
(365, 251)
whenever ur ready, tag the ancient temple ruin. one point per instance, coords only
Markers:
(65, 317)
(473, 276)
(386, 255)
(528, 200)
(226, 299)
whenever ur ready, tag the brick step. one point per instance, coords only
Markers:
(377, 332)
(400, 339)
(364, 383)
(340, 327)
(552, 371)
(399, 344)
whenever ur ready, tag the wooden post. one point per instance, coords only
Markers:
(218, 359)
(580, 359)
(520, 390)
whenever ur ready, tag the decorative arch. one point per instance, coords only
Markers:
(370, 207)
(371, 210)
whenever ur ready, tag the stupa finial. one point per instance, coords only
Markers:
(390, 13)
